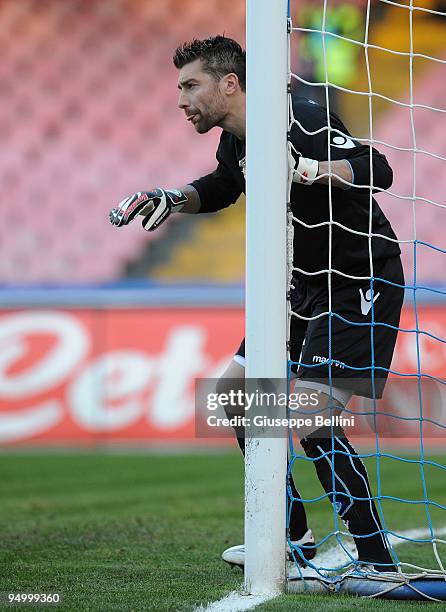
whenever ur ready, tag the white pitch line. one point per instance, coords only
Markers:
(236, 602)
(336, 557)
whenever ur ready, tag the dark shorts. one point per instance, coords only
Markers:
(351, 347)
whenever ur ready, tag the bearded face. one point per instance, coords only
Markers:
(201, 98)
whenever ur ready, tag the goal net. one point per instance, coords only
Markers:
(380, 66)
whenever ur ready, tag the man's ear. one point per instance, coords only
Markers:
(230, 83)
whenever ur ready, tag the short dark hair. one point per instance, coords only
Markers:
(220, 56)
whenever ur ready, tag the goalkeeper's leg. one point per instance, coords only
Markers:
(344, 477)
(233, 380)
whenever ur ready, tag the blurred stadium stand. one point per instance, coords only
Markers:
(215, 251)
(388, 75)
(89, 115)
(425, 178)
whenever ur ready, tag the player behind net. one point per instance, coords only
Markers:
(212, 94)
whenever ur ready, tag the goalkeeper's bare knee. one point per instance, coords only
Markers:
(315, 399)
(233, 380)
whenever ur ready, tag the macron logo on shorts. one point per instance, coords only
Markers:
(366, 301)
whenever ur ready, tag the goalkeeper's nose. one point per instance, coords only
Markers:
(183, 100)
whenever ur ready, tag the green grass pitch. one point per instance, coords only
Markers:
(145, 532)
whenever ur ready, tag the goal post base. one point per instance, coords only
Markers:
(427, 587)
(310, 586)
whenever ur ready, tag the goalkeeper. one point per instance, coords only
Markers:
(326, 349)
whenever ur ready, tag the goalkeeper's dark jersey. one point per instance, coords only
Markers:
(310, 204)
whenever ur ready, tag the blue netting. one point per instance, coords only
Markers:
(412, 516)
(337, 531)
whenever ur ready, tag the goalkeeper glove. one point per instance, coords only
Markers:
(302, 169)
(156, 206)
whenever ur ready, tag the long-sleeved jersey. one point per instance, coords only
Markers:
(310, 204)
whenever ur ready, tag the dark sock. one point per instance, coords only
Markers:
(360, 516)
(298, 518)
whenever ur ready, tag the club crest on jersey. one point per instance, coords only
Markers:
(342, 142)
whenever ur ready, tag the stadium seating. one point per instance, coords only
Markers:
(215, 252)
(430, 130)
(89, 115)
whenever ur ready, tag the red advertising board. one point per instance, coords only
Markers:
(123, 375)
(89, 376)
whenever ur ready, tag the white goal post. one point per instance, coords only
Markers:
(266, 303)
